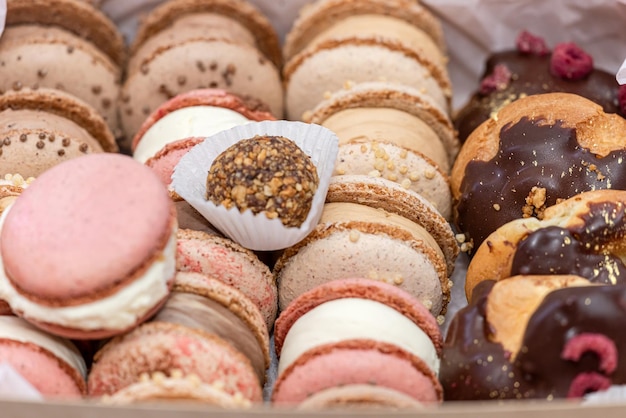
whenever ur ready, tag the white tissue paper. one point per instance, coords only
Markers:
(13, 386)
(256, 232)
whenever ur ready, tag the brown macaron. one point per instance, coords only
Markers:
(583, 236)
(66, 45)
(44, 127)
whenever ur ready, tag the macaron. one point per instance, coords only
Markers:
(206, 329)
(356, 331)
(380, 193)
(404, 21)
(358, 240)
(164, 161)
(44, 127)
(323, 68)
(106, 255)
(361, 396)
(196, 113)
(583, 236)
(190, 218)
(158, 388)
(66, 45)
(232, 264)
(392, 113)
(534, 152)
(52, 365)
(188, 44)
(202, 302)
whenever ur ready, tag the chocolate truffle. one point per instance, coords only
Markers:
(266, 174)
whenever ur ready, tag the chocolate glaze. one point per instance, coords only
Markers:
(475, 368)
(530, 74)
(582, 250)
(531, 153)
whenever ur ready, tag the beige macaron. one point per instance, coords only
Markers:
(66, 45)
(387, 112)
(380, 193)
(44, 127)
(325, 67)
(184, 45)
(406, 21)
(358, 241)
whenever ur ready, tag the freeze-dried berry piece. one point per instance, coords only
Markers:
(528, 43)
(498, 80)
(570, 62)
(601, 345)
(588, 382)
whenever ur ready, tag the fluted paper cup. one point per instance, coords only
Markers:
(256, 231)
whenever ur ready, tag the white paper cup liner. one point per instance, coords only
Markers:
(256, 231)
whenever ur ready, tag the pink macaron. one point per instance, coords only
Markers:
(357, 331)
(88, 250)
(197, 113)
(164, 161)
(52, 365)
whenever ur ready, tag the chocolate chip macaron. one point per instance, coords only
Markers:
(583, 235)
(190, 44)
(365, 237)
(65, 45)
(42, 128)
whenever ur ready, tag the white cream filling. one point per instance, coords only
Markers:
(183, 123)
(17, 329)
(117, 311)
(352, 318)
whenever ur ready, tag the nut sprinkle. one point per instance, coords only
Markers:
(266, 174)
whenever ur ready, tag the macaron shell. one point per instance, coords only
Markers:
(356, 362)
(41, 56)
(394, 96)
(164, 161)
(363, 396)
(231, 298)
(223, 64)
(190, 218)
(413, 171)
(384, 194)
(64, 105)
(78, 17)
(52, 377)
(87, 236)
(251, 108)
(357, 288)
(368, 250)
(325, 68)
(160, 388)
(240, 11)
(233, 265)
(321, 15)
(159, 346)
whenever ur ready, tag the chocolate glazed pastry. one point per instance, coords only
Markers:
(581, 356)
(533, 69)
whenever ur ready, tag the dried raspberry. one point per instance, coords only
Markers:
(497, 80)
(599, 344)
(587, 382)
(621, 97)
(527, 43)
(570, 62)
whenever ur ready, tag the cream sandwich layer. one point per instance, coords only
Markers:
(17, 329)
(117, 311)
(388, 125)
(353, 318)
(183, 123)
(347, 212)
(368, 25)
